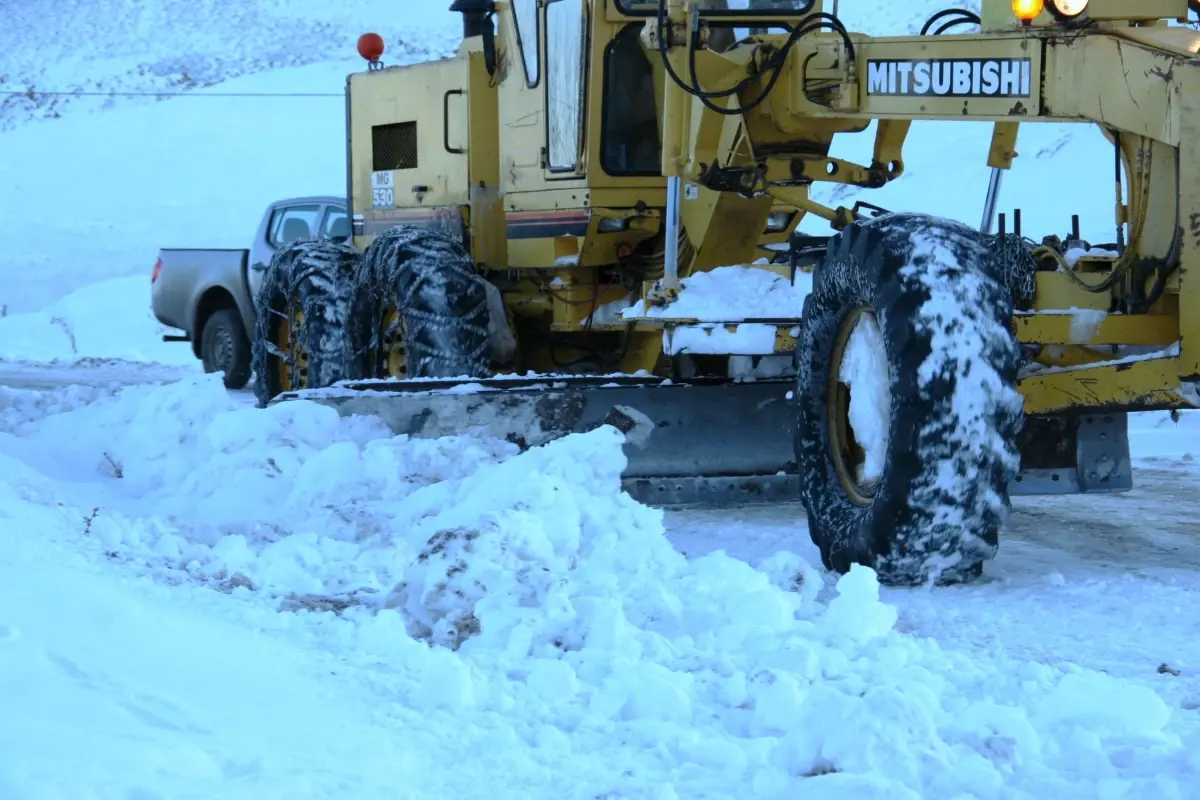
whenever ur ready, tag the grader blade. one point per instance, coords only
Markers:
(697, 442)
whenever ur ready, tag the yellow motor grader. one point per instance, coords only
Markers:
(527, 214)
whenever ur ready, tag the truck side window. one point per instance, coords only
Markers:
(525, 19)
(629, 142)
(293, 222)
(336, 224)
(566, 54)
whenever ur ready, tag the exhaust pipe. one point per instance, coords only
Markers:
(475, 14)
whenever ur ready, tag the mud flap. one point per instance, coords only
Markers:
(688, 443)
(1074, 453)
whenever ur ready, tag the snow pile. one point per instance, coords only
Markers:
(609, 313)
(732, 294)
(1159, 435)
(559, 623)
(1073, 256)
(106, 320)
(20, 407)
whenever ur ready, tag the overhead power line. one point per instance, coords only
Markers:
(170, 93)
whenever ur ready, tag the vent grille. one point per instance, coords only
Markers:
(394, 146)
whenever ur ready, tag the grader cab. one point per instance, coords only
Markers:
(589, 215)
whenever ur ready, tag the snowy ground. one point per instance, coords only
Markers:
(283, 603)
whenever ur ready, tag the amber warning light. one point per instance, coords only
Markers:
(1027, 10)
(370, 47)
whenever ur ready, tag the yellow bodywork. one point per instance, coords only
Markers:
(516, 147)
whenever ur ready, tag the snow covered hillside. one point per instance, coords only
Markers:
(63, 56)
(307, 606)
(92, 196)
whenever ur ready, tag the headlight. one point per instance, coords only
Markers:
(778, 221)
(1069, 9)
(612, 224)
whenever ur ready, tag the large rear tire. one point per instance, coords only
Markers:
(914, 311)
(428, 294)
(310, 327)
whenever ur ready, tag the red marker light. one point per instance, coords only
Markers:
(370, 46)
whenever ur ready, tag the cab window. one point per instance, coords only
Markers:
(629, 143)
(566, 56)
(525, 18)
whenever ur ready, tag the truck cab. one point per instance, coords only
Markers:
(209, 294)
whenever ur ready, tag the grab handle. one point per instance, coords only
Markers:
(446, 122)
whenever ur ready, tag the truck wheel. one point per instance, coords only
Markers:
(907, 411)
(432, 306)
(224, 347)
(309, 324)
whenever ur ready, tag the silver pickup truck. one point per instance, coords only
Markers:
(209, 294)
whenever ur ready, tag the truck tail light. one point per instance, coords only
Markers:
(157, 270)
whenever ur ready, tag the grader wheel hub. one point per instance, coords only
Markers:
(288, 340)
(859, 417)
(395, 354)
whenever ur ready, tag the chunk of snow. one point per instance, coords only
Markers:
(751, 368)
(864, 369)
(731, 294)
(1141, 353)
(1085, 322)
(609, 313)
(746, 338)
(1073, 255)
(1099, 703)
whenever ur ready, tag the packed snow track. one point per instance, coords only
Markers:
(201, 597)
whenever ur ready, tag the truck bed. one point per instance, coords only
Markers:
(185, 275)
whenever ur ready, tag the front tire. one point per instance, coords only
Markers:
(913, 310)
